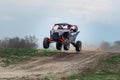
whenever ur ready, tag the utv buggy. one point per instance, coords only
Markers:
(63, 34)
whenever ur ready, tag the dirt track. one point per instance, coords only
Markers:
(60, 64)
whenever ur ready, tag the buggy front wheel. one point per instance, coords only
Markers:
(46, 43)
(58, 45)
(66, 45)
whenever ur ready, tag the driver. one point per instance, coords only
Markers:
(73, 29)
(60, 27)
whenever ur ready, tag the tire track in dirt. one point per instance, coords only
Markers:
(60, 63)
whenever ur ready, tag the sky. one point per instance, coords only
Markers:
(98, 20)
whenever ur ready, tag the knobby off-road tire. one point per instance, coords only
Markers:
(66, 45)
(46, 43)
(78, 46)
(58, 45)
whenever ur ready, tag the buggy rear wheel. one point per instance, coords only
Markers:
(58, 45)
(46, 43)
(78, 46)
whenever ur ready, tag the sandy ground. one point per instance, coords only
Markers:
(61, 64)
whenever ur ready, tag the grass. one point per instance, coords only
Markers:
(11, 56)
(114, 59)
(94, 77)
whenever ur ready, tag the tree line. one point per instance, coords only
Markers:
(106, 46)
(28, 42)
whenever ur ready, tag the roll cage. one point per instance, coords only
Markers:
(65, 26)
